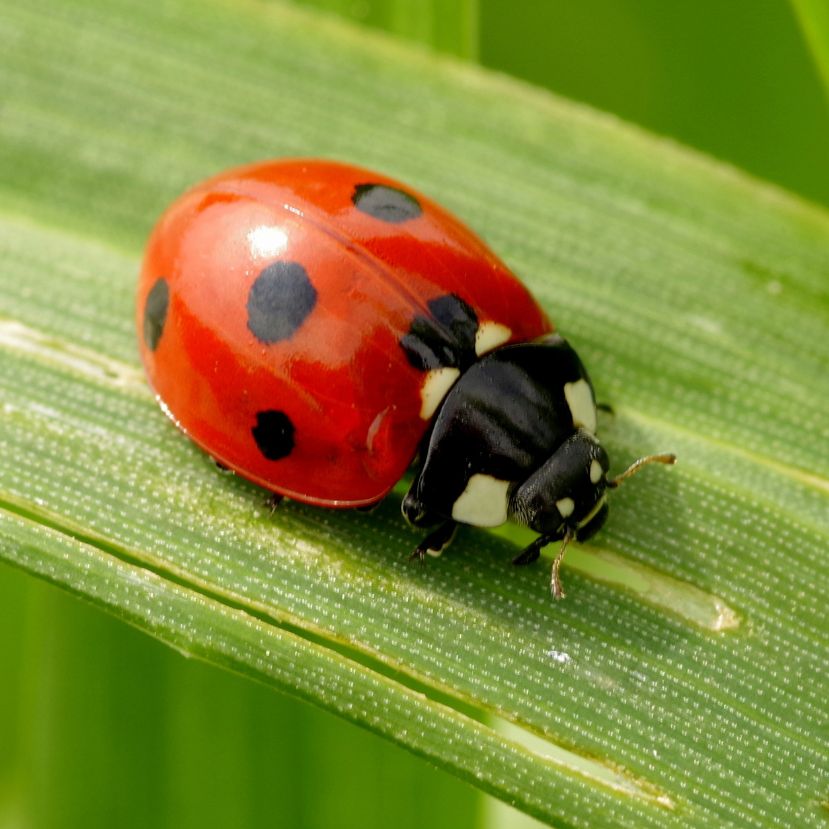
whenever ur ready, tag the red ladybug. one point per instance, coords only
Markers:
(312, 325)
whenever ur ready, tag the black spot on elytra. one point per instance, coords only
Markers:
(388, 204)
(279, 301)
(155, 312)
(445, 338)
(274, 434)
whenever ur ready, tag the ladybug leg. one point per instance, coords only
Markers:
(369, 507)
(555, 582)
(605, 407)
(531, 553)
(273, 501)
(436, 542)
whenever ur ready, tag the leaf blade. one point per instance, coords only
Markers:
(657, 263)
(240, 642)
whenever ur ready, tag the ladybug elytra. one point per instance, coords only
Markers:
(314, 326)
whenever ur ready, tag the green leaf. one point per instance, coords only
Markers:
(813, 16)
(683, 681)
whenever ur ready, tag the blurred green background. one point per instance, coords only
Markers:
(101, 726)
(733, 79)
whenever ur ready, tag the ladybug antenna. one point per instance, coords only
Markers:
(555, 582)
(667, 458)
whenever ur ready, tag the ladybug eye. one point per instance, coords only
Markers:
(388, 204)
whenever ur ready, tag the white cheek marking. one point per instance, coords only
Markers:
(565, 506)
(483, 503)
(596, 471)
(592, 514)
(490, 335)
(580, 400)
(435, 385)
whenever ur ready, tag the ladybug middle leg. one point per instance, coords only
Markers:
(436, 542)
(273, 501)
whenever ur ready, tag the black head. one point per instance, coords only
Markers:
(566, 498)
(566, 495)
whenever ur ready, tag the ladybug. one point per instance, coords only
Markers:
(315, 326)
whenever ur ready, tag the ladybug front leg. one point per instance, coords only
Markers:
(531, 553)
(436, 542)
